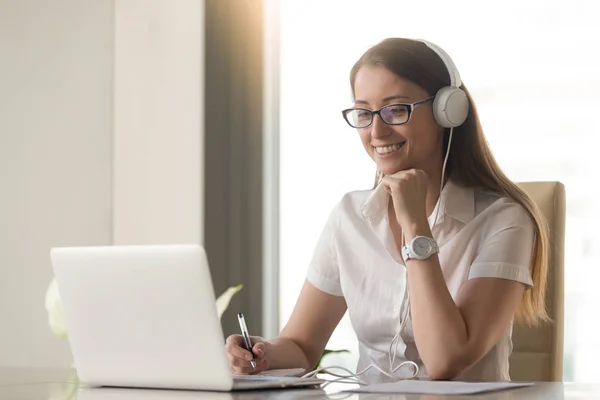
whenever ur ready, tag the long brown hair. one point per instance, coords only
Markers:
(470, 162)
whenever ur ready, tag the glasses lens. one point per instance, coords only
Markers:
(359, 118)
(395, 114)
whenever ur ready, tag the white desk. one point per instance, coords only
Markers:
(39, 384)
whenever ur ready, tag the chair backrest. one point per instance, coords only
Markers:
(538, 351)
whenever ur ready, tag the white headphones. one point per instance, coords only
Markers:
(450, 106)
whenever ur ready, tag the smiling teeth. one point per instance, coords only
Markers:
(388, 149)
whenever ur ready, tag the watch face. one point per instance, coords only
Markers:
(422, 247)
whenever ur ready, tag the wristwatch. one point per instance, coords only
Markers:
(420, 248)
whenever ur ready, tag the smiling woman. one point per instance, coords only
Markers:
(438, 294)
(411, 154)
(511, 74)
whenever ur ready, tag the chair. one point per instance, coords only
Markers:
(538, 351)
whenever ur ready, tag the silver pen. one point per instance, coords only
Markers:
(246, 337)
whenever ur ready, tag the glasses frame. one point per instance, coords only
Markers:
(411, 107)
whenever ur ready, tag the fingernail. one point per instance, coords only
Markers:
(248, 357)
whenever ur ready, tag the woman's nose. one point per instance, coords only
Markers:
(379, 128)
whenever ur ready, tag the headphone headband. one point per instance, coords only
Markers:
(451, 105)
(450, 66)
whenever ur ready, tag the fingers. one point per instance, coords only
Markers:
(261, 365)
(260, 354)
(246, 369)
(404, 174)
(259, 350)
(409, 178)
(234, 347)
(239, 358)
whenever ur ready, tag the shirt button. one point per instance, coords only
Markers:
(396, 308)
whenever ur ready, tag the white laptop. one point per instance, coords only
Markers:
(145, 316)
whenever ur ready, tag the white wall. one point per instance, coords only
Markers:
(55, 157)
(159, 91)
(100, 142)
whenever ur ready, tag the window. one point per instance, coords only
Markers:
(532, 70)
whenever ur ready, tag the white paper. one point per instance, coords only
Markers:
(438, 387)
(272, 373)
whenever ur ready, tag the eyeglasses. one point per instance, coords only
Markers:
(392, 114)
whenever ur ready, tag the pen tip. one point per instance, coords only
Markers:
(240, 315)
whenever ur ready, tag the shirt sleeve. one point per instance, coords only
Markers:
(323, 271)
(507, 250)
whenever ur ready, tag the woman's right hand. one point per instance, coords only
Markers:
(239, 358)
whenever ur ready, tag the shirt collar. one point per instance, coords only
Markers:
(457, 202)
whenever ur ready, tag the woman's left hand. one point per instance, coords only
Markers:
(409, 195)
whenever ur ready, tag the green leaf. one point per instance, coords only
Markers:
(224, 299)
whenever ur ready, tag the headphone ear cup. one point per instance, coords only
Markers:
(450, 107)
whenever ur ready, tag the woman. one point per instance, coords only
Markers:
(438, 273)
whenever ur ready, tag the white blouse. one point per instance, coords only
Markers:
(480, 234)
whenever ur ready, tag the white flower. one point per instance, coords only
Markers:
(56, 318)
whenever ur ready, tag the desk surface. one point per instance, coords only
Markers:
(36, 384)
